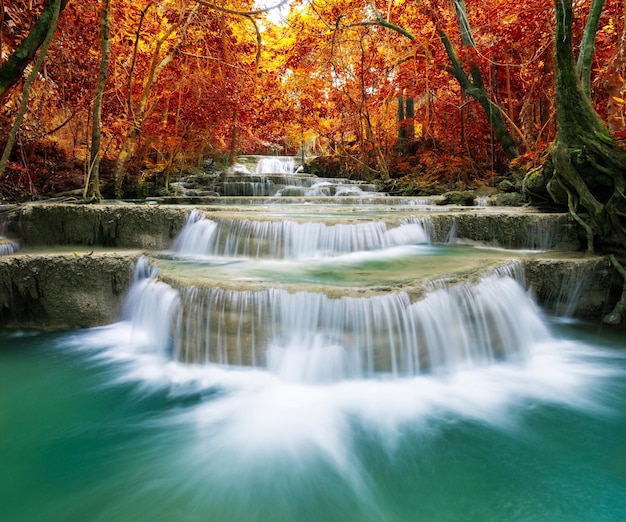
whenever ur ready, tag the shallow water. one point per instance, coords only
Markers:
(94, 428)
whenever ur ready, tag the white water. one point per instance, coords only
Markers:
(312, 388)
(284, 384)
(290, 239)
(275, 165)
(151, 309)
(8, 247)
(309, 337)
(300, 406)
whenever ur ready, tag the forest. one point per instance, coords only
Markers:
(98, 97)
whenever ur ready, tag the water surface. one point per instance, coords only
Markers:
(92, 428)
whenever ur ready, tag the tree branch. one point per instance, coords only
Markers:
(241, 13)
(385, 23)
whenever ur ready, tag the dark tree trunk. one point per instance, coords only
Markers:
(587, 45)
(12, 70)
(12, 136)
(589, 166)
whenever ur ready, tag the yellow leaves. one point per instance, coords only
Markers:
(610, 27)
(510, 19)
(619, 100)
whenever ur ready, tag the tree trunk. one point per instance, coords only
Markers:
(586, 170)
(475, 87)
(51, 26)
(92, 185)
(589, 166)
(587, 45)
(12, 70)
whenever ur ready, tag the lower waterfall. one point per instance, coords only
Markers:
(309, 337)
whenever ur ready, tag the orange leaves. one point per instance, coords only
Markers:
(328, 71)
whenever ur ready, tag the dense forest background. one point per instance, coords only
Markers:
(409, 92)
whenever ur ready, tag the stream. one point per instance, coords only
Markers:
(282, 368)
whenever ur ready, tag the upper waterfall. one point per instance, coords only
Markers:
(7, 246)
(275, 165)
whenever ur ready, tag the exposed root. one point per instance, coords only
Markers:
(615, 317)
(571, 204)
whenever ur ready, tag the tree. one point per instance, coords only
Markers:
(12, 70)
(174, 35)
(586, 169)
(50, 28)
(472, 83)
(92, 183)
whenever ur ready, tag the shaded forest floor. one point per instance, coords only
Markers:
(43, 170)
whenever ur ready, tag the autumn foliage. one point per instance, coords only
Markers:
(196, 80)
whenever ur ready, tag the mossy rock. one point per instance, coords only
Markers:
(458, 197)
(508, 199)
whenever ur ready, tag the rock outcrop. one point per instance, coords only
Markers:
(75, 290)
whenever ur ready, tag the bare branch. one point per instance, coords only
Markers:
(241, 13)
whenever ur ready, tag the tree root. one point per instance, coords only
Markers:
(572, 210)
(615, 317)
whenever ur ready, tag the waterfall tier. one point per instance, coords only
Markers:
(275, 165)
(8, 246)
(310, 337)
(291, 239)
(271, 176)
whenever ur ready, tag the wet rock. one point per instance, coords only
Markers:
(123, 226)
(574, 286)
(507, 186)
(75, 290)
(458, 197)
(508, 199)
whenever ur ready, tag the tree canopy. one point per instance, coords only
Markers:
(189, 80)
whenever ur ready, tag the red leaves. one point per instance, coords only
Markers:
(316, 75)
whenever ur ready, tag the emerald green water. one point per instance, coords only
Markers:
(92, 431)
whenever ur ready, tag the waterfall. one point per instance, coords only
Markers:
(275, 165)
(574, 284)
(7, 246)
(542, 235)
(310, 337)
(152, 308)
(290, 239)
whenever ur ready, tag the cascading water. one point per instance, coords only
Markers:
(290, 239)
(7, 246)
(270, 176)
(308, 337)
(151, 308)
(227, 394)
(275, 165)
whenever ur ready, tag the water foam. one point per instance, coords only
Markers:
(277, 421)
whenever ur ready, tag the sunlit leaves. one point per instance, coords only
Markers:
(325, 75)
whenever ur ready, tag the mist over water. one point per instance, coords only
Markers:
(160, 439)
